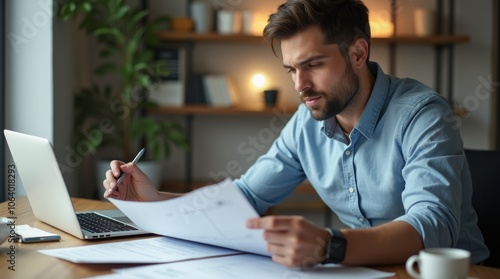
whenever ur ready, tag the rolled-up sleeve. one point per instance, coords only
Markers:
(434, 160)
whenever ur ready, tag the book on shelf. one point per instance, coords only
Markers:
(219, 90)
(195, 93)
(170, 90)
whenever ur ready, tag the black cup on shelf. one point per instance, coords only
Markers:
(270, 97)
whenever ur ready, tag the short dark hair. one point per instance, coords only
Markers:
(341, 21)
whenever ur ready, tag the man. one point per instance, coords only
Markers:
(376, 148)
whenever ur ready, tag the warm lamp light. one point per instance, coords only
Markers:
(254, 23)
(259, 80)
(259, 23)
(381, 27)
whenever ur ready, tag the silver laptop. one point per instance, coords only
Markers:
(49, 198)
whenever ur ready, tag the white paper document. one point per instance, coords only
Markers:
(246, 266)
(150, 250)
(213, 215)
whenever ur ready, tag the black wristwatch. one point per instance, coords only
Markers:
(335, 248)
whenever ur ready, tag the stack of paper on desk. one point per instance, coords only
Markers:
(214, 215)
(246, 266)
(144, 251)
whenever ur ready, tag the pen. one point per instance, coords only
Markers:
(136, 159)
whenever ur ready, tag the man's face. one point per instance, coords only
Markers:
(328, 84)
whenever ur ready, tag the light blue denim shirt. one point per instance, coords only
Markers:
(405, 162)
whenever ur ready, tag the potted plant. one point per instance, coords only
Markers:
(115, 113)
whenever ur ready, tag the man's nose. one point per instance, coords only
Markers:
(302, 81)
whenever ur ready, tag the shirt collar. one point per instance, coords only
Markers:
(371, 114)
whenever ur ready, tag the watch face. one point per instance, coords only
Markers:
(335, 249)
(338, 248)
(336, 252)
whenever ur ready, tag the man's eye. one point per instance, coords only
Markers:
(314, 65)
(290, 71)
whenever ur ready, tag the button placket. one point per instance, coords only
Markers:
(352, 193)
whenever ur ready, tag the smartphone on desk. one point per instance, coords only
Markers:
(27, 234)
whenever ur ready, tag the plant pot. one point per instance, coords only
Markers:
(151, 168)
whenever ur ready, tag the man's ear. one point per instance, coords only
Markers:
(359, 52)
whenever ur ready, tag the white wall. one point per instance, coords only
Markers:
(29, 88)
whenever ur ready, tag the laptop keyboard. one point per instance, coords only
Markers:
(96, 223)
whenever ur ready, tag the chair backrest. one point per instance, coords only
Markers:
(484, 167)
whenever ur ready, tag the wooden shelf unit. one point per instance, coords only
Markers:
(239, 110)
(443, 42)
(435, 40)
(208, 37)
(240, 38)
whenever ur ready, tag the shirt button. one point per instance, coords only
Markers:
(347, 153)
(361, 219)
(351, 190)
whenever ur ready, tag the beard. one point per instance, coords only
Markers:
(339, 98)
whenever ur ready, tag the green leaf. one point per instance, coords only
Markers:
(115, 32)
(72, 7)
(145, 57)
(120, 13)
(66, 12)
(105, 68)
(104, 31)
(127, 93)
(140, 66)
(144, 81)
(86, 7)
(134, 43)
(138, 16)
(126, 71)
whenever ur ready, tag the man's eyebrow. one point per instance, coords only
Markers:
(306, 61)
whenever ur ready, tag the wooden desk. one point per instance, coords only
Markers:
(31, 264)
